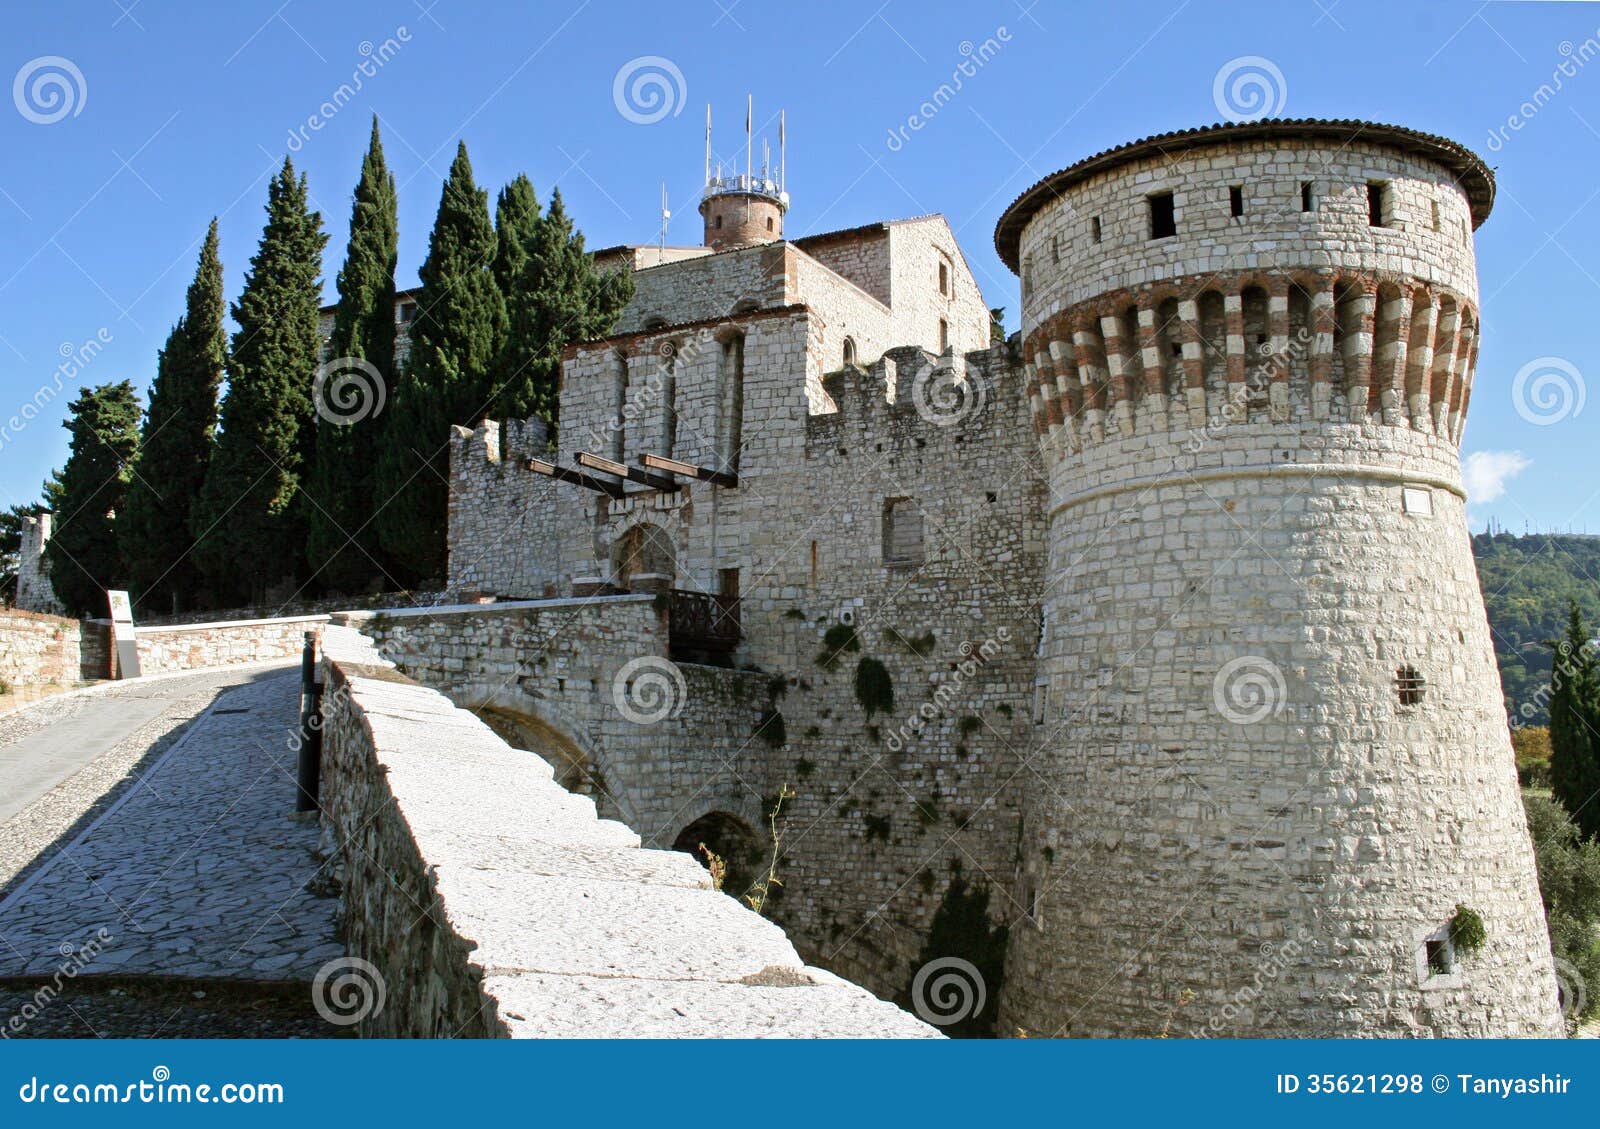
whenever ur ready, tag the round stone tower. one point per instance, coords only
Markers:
(742, 210)
(1275, 773)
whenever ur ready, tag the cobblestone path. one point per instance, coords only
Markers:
(169, 892)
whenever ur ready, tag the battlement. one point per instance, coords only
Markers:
(912, 395)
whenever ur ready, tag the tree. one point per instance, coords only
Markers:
(1575, 726)
(87, 495)
(560, 298)
(1569, 884)
(517, 221)
(342, 544)
(456, 338)
(175, 445)
(249, 522)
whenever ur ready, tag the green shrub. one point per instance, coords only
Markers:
(1467, 931)
(836, 641)
(874, 687)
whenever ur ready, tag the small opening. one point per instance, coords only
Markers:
(1306, 202)
(991, 497)
(718, 222)
(1163, 216)
(944, 279)
(1441, 955)
(944, 335)
(1236, 201)
(1055, 249)
(1409, 685)
(1436, 215)
(408, 312)
(769, 223)
(849, 350)
(1027, 277)
(1094, 228)
(1377, 203)
(902, 532)
(1177, 348)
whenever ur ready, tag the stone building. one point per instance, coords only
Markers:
(1152, 637)
(34, 591)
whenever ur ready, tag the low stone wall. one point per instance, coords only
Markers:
(37, 649)
(196, 645)
(493, 902)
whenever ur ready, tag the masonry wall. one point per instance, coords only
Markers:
(197, 645)
(38, 649)
(493, 902)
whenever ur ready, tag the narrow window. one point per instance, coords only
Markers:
(669, 400)
(1163, 216)
(1440, 954)
(944, 335)
(1094, 227)
(1055, 249)
(718, 222)
(1436, 215)
(769, 223)
(944, 278)
(1306, 202)
(1027, 278)
(619, 406)
(1409, 685)
(902, 532)
(408, 313)
(1377, 203)
(731, 414)
(1236, 201)
(849, 350)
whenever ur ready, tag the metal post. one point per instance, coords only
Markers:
(310, 775)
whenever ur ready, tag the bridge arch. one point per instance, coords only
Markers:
(732, 839)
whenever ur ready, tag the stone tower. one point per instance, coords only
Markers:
(744, 209)
(34, 591)
(1274, 761)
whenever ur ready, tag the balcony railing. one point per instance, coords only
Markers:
(700, 621)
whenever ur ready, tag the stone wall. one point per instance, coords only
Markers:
(196, 645)
(495, 903)
(40, 649)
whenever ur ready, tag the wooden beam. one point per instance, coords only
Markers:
(631, 474)
(689, 470)
(577, 478)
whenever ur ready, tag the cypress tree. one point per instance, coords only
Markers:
(249, 523)
(456, 337)
(516, 227)
(87, 495)
(175, 445)
(1575, 726)
(560, 298)
(342, 545)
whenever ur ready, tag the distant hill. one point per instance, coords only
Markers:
(1526, 584)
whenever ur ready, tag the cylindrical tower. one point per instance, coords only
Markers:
(742, 210)
(1277, 780)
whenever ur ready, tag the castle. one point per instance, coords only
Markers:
(1140, 660)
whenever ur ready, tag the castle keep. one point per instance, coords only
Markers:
(1143, 654)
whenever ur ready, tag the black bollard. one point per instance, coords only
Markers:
(310, 776)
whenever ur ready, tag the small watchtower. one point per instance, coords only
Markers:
(744, 209)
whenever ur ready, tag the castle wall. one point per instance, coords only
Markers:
(917, 248)
(1274, 759)
(34, 590)
(38, 649)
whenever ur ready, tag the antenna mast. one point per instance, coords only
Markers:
(708, 143)
(783, 163)
(666, 213)
(749, 111)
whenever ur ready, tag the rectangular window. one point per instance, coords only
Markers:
(944, 279)
(1307, 204)
(1163, 216)
(1377, 204)
(408, 313)
(1236, 201)
(944, 335)
(902, 532)
(1436, 215)
(1094, 227)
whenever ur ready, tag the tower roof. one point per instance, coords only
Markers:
(1475, 178)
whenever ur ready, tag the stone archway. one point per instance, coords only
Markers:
(732, 840)
(644, 550)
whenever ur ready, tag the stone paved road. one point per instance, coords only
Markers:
(196, 870)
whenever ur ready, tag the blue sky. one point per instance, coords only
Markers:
(181, 111)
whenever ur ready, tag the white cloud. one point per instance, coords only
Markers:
(1485, 473)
